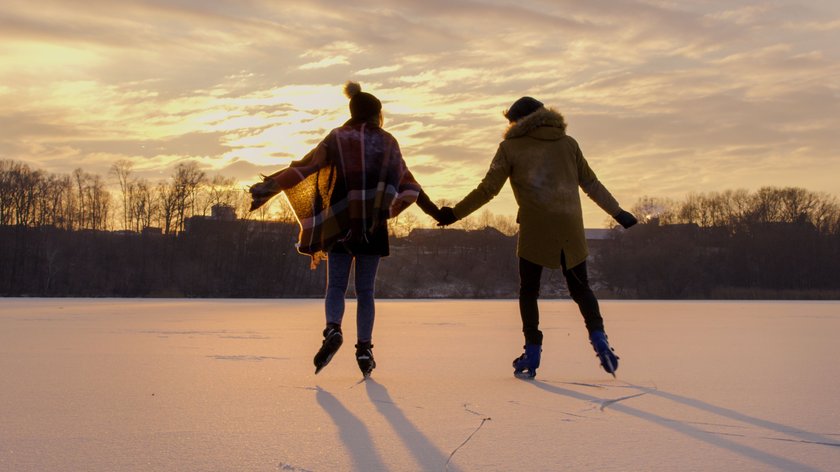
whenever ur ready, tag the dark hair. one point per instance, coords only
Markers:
(522, 108)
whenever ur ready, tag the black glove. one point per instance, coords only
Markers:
(446, 217)
(625, 219)
(262, 192)
(266, 188)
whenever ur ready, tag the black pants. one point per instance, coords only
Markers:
(529, 291)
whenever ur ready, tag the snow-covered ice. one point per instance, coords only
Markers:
(228, 385)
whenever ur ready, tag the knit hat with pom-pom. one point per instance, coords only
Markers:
(363, 105)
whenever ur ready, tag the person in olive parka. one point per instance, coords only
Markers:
(546, 167)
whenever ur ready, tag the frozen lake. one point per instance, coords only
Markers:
(228, 385)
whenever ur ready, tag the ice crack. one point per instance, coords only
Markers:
(449, 459)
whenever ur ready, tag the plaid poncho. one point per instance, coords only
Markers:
(344, 189)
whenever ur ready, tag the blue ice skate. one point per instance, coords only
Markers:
(606, 354)
(525, 366)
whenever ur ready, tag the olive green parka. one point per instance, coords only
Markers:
(545, 167)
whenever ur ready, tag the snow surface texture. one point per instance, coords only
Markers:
(228, 385)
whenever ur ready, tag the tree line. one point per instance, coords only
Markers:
(82, 201)
(58, 238)
(771, 243)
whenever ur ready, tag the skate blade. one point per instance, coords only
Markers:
(525, 375)
(318, 368)
(609, 367)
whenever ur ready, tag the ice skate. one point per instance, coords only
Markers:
(332, 341)
(606, 354)
(525, 366)
(364, 356)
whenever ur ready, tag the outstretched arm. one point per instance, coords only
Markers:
(297, 171)
(489, 187)
(599, 194)
(425, 203)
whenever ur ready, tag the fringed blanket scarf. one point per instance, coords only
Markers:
(344, 189)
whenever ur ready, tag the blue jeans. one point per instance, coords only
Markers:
(338, 277)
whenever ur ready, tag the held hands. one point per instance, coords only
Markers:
(625, 219)
(446, 216)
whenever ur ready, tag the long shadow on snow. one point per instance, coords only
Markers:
(766, 458)
(353, 432)
(804, 436)
(428, 456)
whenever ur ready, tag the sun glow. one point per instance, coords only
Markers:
(290, 121)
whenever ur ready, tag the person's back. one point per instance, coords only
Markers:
(364, 152)
(342, 193)
(546, 167)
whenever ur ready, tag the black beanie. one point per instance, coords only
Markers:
(522, 108)
(363, 106)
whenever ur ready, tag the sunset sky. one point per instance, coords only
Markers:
(665, 97)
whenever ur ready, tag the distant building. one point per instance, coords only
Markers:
(223, 212)
(223, 220)
(218, 213)
(453, 236)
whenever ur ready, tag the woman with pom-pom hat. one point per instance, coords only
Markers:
(343, 192)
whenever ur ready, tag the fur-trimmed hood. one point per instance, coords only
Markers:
(548, 117)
